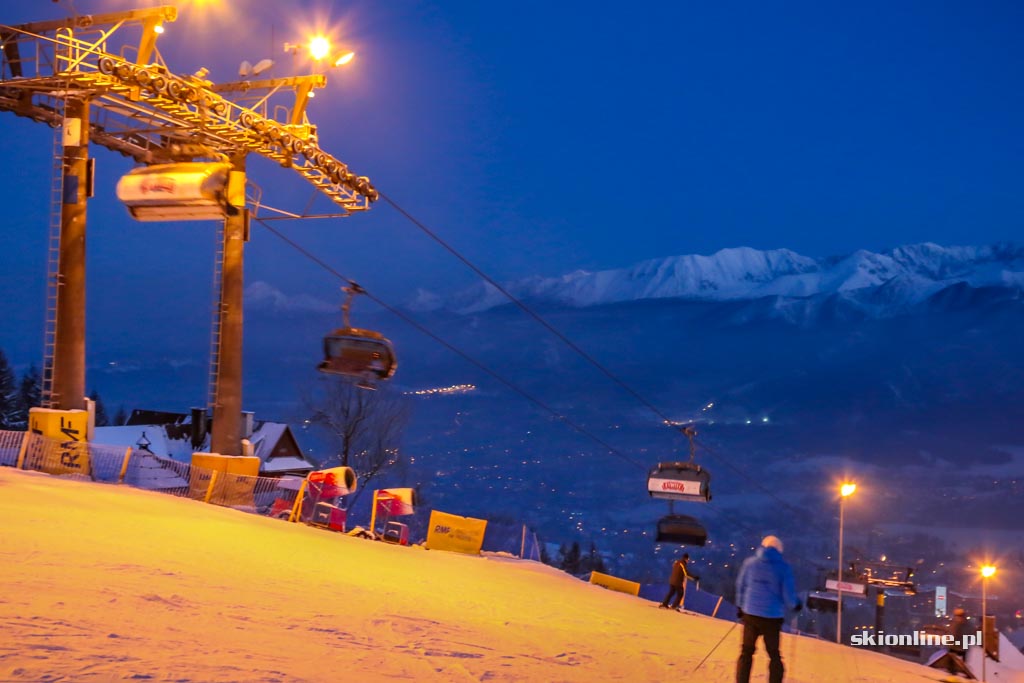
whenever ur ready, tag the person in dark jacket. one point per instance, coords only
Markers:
(677, 583)
(764, 589)
(958, 629)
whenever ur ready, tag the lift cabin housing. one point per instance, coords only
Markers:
(184, 191)
(679, 481)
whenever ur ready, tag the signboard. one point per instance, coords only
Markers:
(615, 583)
(458, 534)
(851, 588)
(940, 601)
(677, 486)
(65, 449)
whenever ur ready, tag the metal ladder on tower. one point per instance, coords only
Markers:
(53, 276)
(218, 270)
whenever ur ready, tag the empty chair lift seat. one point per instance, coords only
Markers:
(681, 529)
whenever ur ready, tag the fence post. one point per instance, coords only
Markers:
(124, 465)
(298, 502)
(23, 449)
(209, 489)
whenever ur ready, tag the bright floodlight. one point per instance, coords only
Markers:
(262, 66)
(159, 28)
(847, 489)
(988, 570)
(319, 47)
(344, 58)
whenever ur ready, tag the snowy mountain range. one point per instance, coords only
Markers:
(878, 284)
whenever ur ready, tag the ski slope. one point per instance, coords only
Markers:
(107, 583)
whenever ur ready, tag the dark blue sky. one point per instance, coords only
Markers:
(540, 138)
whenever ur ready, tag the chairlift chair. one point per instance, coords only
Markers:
(362, 354)
(684, 481)
(681, 529)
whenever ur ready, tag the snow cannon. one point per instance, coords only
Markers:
(396, 502)
(679, 481)
(333, 482)
(390, 503)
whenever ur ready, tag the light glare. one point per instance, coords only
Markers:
(319, 47)
(847, 489)
(344, 59)
(988, 570)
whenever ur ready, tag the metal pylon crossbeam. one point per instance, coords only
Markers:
(152, 115)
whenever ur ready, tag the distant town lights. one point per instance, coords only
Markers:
(453, 389)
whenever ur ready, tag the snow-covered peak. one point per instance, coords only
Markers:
(908, 274)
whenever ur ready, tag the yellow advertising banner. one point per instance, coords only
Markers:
(455, 533)
(64, 450)
(615, 583)
(236, 478)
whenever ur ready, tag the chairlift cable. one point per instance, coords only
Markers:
(686, 431)
(465, 356)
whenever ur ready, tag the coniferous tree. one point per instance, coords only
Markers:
(101, 419)
(121, 416)
(8, 394)
(571, 559)
(30, 394)
(593, 562)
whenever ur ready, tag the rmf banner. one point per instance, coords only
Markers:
(455, 533)
(67, 451)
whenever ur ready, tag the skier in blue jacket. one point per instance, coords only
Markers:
(765, 588)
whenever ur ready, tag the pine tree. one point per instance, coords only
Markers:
(8, 394)
(101, 419)
(571, 559)
(593, 562)
(121, 416)
(30, 394)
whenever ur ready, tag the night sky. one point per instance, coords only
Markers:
(539, 138)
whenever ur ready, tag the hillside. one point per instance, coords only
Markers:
(105, 583)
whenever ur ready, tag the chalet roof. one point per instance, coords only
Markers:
(171, 438)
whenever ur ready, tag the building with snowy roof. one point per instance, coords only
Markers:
(176, 436)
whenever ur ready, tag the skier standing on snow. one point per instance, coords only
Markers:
(764, 589)
(677, 583)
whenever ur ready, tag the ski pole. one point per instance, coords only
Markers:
(715, 647)
(795, 633)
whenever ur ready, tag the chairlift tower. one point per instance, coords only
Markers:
(100, 79)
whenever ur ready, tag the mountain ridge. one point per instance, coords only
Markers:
(881, 284)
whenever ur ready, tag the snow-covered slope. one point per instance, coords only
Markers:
(106, 583)
(880, 283)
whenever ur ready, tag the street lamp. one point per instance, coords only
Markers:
(845, 491)
(986, 572)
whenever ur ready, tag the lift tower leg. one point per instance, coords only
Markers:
(69, 349)
(226, 437)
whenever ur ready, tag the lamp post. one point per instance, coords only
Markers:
(986, 572)
(844, 491)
